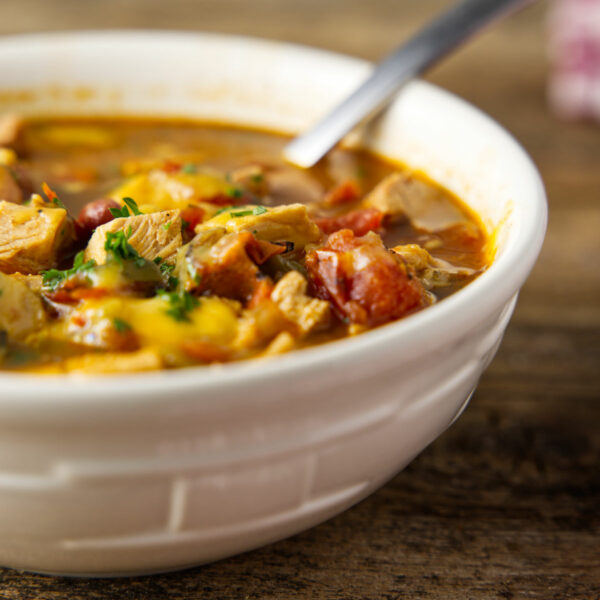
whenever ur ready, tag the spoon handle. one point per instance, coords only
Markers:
(412, 58)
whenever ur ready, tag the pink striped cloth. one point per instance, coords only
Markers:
(574, 39)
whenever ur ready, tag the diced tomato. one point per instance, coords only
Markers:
(344, 193)
(170, 166)
(360, 221)
(82, 293)
(363, 280)
(192, 215)
(261, 292)
(61, 297)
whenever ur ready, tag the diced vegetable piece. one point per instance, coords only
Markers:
(344, 193)
(365, 282)
(191, 217)
(360, 221)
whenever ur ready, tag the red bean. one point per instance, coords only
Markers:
(94, 214)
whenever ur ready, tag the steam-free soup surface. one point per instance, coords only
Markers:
(131, 245)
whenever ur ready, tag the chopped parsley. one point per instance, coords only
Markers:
(189, 168)
(234, 192)
(180, 304)
(184, 224)
(124, 211)
(53, 278)
(193, 273)
(167, 225)
(121, 326)
(222, 210)
(241, 213)
(254, 211)
(118, 248)
(246, 212)
(257, 178)
(166, 268)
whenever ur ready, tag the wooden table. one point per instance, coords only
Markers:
(506, 504)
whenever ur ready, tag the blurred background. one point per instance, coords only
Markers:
(522, 462)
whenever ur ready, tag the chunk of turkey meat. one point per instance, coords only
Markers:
(152, 235)
(427, 207)
(433, 272)
(309, 314)
(31, 237)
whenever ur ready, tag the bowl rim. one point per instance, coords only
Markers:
(22, 393)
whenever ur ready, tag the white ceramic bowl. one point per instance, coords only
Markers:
(159, 471)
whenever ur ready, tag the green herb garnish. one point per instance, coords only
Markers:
(222, 210)
(234, 192)
(257, 178)
(193, 273)
(241, 213)
(132, 206)
(255, 211)
(180, 304)
(118, 248)
(167, 225)
(53, 278)
(124, 211)
(167, 270)
(189, 168)
(121, 326)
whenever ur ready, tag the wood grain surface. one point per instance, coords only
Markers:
(505, 504)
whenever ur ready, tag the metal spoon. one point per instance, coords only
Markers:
(412, 58)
